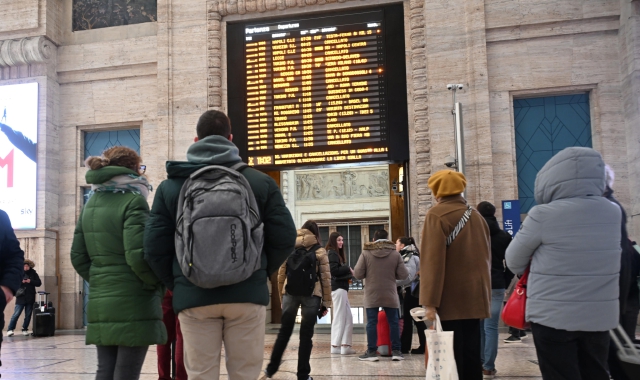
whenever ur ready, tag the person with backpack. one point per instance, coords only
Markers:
(381, 265)
(11, 263)
(25, 298)
(240, 230)
(455, 269)
(406, 246)
(124, 310)
(304, 281)
(342, 320)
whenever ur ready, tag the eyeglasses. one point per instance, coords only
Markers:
(143, 169)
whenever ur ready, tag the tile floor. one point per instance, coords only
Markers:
(65, 356)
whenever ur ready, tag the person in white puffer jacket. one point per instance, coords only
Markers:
(572, 240)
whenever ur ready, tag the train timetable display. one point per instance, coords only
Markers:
(314, 91)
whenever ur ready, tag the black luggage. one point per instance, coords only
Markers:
(44, 316)
(628, 352)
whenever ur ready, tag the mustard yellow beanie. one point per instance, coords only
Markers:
(447, 182)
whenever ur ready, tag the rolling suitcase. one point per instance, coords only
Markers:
(44, 316)
(384, 334)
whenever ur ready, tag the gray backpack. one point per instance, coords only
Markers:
(218, 230)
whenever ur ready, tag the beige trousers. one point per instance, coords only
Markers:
(240, 326)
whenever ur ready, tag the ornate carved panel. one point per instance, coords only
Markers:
(94, 14)
(345, 184)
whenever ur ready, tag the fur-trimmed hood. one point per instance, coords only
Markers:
(30, 263)
(380, 248)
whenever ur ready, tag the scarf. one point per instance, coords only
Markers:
(127, 183)
(407, 252)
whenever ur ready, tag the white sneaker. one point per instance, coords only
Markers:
(335, 350)
(10, 333)
(25, 332)
(347, 350)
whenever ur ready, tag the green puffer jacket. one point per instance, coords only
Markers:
(125, 296)
(279, 230)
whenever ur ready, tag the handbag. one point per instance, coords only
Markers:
(514, 311)
(20, 292)
(441, 363)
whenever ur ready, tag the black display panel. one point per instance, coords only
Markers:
(319, 90)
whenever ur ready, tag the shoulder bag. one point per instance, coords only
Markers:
(514, 311)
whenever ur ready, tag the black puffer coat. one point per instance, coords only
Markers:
(11, 256)
(29, 296)
(340, 273)
(499, 242)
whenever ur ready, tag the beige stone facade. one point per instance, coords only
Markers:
(161, 76)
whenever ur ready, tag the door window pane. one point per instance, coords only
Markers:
(373, 228)
(97, 142)
(324, 236)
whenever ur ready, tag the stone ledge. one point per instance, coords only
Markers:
(559, 28)
(107, 73)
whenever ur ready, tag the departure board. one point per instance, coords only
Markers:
(314, 91)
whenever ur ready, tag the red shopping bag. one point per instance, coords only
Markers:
(514, 311)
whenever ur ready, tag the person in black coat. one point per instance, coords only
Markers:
(341, 273)
(11, 259)
(25, 298)
(499, 242)
(629, 271)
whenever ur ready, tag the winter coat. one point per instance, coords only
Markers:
(125, 296)
(500, 240)
(412, 262)
(380, 265)
(340, 272)
(456, 280)
(628, 262)
(11, 258)
(160, 253)
(572, 239)
(29, 296)
(306, 239)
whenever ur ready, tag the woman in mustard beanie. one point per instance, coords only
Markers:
(455, 278)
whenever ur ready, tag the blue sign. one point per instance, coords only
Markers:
(511, 217)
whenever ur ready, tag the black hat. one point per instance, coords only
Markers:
(486, 209)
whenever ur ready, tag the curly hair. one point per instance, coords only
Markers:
(115, 156)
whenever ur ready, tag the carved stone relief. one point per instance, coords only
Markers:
(345, 184)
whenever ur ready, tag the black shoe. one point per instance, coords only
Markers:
(513, 339)
(523, 334)
(417, 351)
(369, 356)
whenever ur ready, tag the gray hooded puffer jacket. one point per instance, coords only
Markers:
(573, 240)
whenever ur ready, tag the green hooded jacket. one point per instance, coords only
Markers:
(125, 297)
(279, 229)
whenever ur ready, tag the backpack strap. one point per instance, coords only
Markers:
(239, 166)
(463, 222)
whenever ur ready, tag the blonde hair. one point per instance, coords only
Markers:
(610, 176)
(115, 156)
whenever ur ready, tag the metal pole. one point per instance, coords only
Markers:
(459, 137)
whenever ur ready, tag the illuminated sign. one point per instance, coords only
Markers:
(319, 91)
(18, 153)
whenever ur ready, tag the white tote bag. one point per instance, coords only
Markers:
(442, 363)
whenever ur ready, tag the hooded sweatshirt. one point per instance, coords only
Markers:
(572, 239)
(159, 245)
(380, 265)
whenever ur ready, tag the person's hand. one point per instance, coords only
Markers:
(8, 294)
(429, 313)
(352, 272)
(325, 312)
(28, 281)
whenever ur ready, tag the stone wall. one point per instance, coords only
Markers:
(160, 76)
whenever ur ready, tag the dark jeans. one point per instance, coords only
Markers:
(407, 332)
(28, 309)
(466, 347)
(372, 328)
(571, 355)
(290, 304)
(120, 362)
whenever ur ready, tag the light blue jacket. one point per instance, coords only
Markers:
(572, 238)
